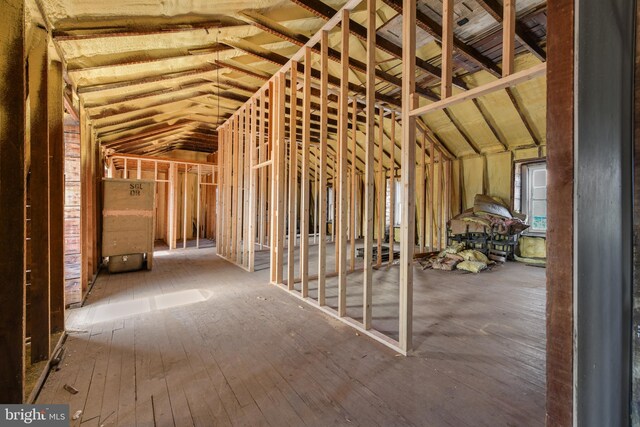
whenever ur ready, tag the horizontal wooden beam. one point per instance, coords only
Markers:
(89, 34)
(503, 83)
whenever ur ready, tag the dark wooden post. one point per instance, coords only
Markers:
(56, 195)
(560, 134)
(39, 189)
(12, 200)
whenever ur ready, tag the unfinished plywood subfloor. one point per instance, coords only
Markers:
(200, 341)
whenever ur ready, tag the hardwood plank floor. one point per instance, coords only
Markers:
(198, 341)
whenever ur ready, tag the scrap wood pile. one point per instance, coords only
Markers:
(455, 256)
(488, 213)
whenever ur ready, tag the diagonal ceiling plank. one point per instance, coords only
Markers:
(201, 70)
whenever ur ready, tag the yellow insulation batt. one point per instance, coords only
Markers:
(473, 255)
(472, 266)
(533, 247)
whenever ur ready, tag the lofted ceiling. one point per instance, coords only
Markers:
(155, 76)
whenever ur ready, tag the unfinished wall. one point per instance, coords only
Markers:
(72, 264)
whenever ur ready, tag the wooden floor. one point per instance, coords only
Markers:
(198, 341)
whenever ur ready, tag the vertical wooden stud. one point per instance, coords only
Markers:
(368, 164)
(304, 191)
(324, 95)
(262, 141)
(198, 208)
(343, 141)
(508, 36)
(253, 187)
(293, 175)
(184, 207)
(409, 102)
(392, 190)
(352, 209)
(381, 189)
(447, 49)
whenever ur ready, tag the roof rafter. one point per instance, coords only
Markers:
(324, 11)
(495, 9)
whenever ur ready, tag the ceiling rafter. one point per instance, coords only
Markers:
(324, 11)
(281, 31)
(494, 9)
(435, 30)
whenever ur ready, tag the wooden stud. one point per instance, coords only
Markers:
(342, 174)
(171, 207)
(247, 186)
(381, 187)
(409, 102)
(392, 190)
(324, 94)
(447, 49)
(508, 37)
(352, 209)
(432, 185)
(13, 201)
(184, 208)
(316, 207)
(440, 199)
(304, 191)
(293, 176)
(424, 216)
(279, 167)
(139, 170)
(271, 143)
(262, 141)
(240, 189)
(370, 100)
(233, 168)
(253, 175)
(198, 209)
(39, 308)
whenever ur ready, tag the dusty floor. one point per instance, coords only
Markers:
(198, 341)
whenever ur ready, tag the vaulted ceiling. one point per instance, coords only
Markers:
(155, 76)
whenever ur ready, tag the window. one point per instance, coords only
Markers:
(533, 196)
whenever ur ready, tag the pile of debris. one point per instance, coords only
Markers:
(488, 214)
(456, 256)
